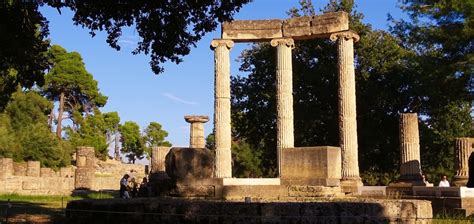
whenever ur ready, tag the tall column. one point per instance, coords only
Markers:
(463, 151)
(196, 132)
(410, 166)
(284, 90)
(347, 108)
(222, 132)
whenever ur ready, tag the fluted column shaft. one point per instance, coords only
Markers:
(347, 104)
(222, 129)
(284, 91)
(410, 166)
(196, 132)
(158, 158)
(463, 151)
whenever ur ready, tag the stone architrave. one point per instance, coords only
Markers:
(222, 129)
(410, 166)
(347, 108)
(196, 138)
(463, 150)
(158, 157)
(284, 91)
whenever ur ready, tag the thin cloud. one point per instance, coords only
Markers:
(129, 41)
(177, 99)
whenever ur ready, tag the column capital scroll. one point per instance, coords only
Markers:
(221, 42)
(346, 34)
(283, 41)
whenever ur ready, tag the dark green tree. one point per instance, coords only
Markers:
(71, 85)
(91, 131)
(154, 136)
(132, 141)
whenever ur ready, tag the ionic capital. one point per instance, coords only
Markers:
(349, 34)
(221, 42)
(289, 42)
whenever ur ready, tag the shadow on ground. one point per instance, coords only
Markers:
(26, 212)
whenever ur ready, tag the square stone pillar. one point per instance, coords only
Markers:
(85, 171)
(284, 91)
(222, 129)
(347, 109)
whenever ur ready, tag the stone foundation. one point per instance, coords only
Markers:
(196, 211)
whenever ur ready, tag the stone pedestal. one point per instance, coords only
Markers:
(347, 109)
(311, 166)
(222, 129)
(196, 132)
(464, 148)
(284, 91)
(189, 164)
(85, 171)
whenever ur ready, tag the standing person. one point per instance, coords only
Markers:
(444, 182)
(143, 191)
(124, 186)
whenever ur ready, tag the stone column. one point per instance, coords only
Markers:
(158, 157)
(347, 108)
(284, 91)
(463, 151)
(33, 168)
(85, 171)
(222, 129)
(196, 132)
(410, 166)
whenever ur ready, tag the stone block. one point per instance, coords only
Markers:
(15, 183)
(311, 166)
(329, 23)
(252, 30)
(46, 172)
(66, 172)
(313, 191)
(19, 169)
(31, 184)
(250, 181)
(372, 190)
(189, 163)
(85, 156)
(298, 26)
(6, 167)
(33, 168)
(84, 178)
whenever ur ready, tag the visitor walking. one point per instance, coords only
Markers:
(444, 182)
(124, 187)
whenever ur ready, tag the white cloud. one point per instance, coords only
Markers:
(177, 99)
(128, 41)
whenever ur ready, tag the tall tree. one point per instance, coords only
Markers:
(112, 124)
(69, 83)
(132, 141)
(90, 131)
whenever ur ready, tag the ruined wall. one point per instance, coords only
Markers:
(28, 178)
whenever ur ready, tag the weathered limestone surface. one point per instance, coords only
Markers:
(201, 211)
(284, 91)
(410, 166)
(33, 168)
(19, 169)
(299, 28)
(190, 163)
(464, 148)
(347, 107)
(158, 157)
(311, 166)
(85, 161)
(222, 129)
(196, 138)
(6, 167)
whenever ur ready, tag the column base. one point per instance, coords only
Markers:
(351, 184)
(460, 181)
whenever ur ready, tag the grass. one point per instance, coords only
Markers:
(53, 201)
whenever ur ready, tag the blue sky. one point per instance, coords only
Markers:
(185, 89)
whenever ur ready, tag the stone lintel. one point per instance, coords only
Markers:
(299, 28)
(196, 118)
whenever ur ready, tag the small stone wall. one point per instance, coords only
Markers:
(195, 211)
(108, 174)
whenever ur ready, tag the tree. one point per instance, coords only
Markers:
(90, 131)
(112, 124)
(132, 141)
(155, 136)
(69, 83)
(22, 60)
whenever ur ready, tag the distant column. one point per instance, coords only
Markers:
(347, 107)
(284, 92)
(196, 132)
(85, 171)
(158, 157)
(222, 128)
(410, 165)
(463, 151)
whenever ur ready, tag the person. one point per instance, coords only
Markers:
(124, 187)
(133, 186)
(444, 182)
(143, 191)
